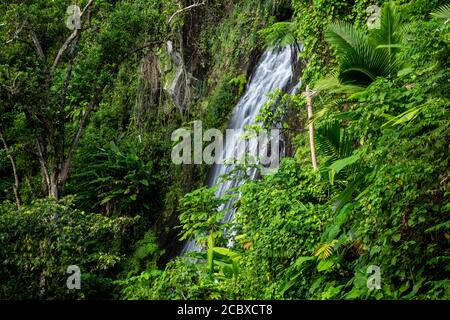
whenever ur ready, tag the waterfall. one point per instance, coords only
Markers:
(274, 71)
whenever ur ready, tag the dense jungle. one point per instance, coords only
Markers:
(91, 92)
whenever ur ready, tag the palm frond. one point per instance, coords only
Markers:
(328, 138)
(333, 142)
(340, 164)
(332, 84)
(442, 13)
(327, 107)
(360, 62)
(364, 57)
(346, 196)
(387, 35)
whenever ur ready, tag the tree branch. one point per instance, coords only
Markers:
(37, 45)
(62, 115)
(67, 163)
(40, 53)
(69, 40)
(42, 161)
(16, 176)
(196, 4)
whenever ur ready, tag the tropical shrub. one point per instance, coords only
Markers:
(39, 242)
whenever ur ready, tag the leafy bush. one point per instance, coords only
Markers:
(39, 242)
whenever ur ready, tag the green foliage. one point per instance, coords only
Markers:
(145, 258)
(200, 215)
(381, 117)
(240, 82)
(146, 254)
(333, 142)
(312, 19)
(276, 109)
(222, 100)
(442, 13)
(42, 239)
(363, 57)
(230, 41)
(118, 181)
(280, 34)
(384, 148)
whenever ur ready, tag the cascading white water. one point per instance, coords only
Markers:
(274, 71)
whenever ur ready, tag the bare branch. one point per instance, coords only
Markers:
(37, 45)
(69, 40)
(42, 161)
(16, 176)
(63, 49)
(194, 5)
(66, 167)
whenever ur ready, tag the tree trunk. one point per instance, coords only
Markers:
(309, 96)
(54, 188)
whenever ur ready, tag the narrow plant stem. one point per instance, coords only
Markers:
(309, 97)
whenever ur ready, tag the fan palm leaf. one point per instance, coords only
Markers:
(364, 57)
(360, 63)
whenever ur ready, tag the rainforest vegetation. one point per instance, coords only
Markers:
(86, 177)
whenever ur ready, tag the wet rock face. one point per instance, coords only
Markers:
(178, 87)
